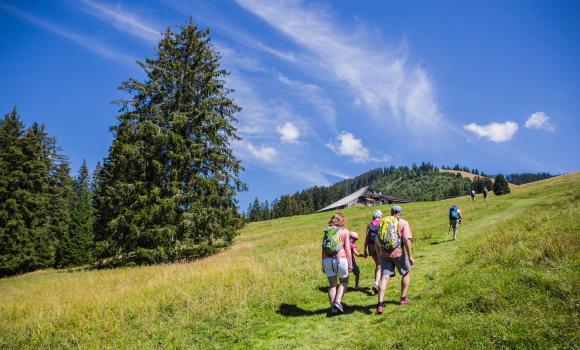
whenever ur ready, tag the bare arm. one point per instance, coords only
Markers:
(356, 253)
(348, 253)
(366, 245)
(409, 250)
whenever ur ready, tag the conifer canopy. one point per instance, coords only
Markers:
(167, 189)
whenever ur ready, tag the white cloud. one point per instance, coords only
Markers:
(123, 20)
(83, 41)
(346, 144)
(288, 132)
(539, 120)
(384, 82)
(262, 153)
(496, 132)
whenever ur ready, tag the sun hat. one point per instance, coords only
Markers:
(354, 235)
(396, 209)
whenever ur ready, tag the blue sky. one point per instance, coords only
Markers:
(328, 89)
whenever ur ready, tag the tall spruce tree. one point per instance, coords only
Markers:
(16, 244)
(60, 205)
(26, 160)
(78, 245)
(40, 152)
(167, 189)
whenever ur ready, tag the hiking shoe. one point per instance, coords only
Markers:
(338, 307)
(404, 300)
(380, 309)
(375, 288)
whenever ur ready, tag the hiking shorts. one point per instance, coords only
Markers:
(335, 267)
(388, 265)
(355, 269)
(454, 224)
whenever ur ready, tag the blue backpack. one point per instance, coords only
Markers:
(454, 213)
(373, 231)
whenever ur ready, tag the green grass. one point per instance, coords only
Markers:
(510, 281)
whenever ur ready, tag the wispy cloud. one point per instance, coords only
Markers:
(123, 20)
(86, 42)
(495, 132)
(338, 174)
(313, 94)
(383, 82)
(539, 120)
(346, 144)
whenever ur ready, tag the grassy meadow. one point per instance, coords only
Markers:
(510, 281)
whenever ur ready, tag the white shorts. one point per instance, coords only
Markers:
(335, 266)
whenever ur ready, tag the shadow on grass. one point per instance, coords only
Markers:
(365, 290)
(290, 310)
(439, 242)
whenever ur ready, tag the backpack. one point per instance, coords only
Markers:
(331, 243)
(373, 231)
(453, 213)
(389, 233)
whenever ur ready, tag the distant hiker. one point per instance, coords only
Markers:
(473, 195)
(336, 260)
(455, 218)
(485, 193)
(353, 253)
(393, 246)
(369, 247)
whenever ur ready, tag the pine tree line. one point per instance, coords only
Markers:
(42, 208)
(524, 178)
(418, 182)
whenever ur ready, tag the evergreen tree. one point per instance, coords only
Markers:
(60, 209)
(265, 207)
(26, 160)
(79, 243)
(16, 243)
(40, 152)
(167, 189)
(500, 185)
(255, 211)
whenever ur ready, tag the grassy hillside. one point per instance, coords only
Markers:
(511, 281)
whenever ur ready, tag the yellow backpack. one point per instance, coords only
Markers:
(389, 233)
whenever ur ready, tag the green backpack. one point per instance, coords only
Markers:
(389, 233)
(331, 243)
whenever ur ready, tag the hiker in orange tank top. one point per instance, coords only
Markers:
(400, 257)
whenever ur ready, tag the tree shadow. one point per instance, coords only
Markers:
(290, 310)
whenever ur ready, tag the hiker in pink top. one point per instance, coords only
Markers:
(369, 246)
(338, 264)
(401, 257)
(354, 252)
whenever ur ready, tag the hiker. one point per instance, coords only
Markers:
(336, 260)
(354, 252)
(369, 247)
(473, 195)
(394, 249)
(485, 193)
(455, 218)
